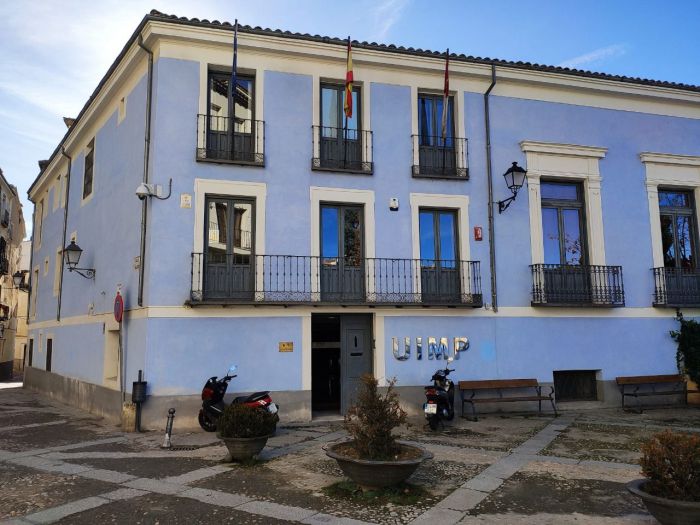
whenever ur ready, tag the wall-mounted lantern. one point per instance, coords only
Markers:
(72, 254)
(19, 282)
(515, 178)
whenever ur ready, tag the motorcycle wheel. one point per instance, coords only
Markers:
(208, 424)
(433, 421)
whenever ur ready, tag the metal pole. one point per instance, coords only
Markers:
(489, 176)
(169, 429)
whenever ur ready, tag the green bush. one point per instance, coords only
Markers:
(688, 352)
(241, 421)
(671, 462)
(372, 419)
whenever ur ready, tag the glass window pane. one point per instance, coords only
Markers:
(218, 102)
(352, 121)
(550, 234)
(329, 234)
(573, 247)
(242, 232)
(426, 229)
(679, 199)
(352, 233)
(244, 105)
(667, 244)
(217, 227)
(559, 191)
(448, 243)
(425, 120)
(683, 236)
(329, 109)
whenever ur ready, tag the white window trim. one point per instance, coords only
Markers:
(567, 162)
(57, 271)
(255, 190)
(341, 196)
(84, 200)
(668, 170)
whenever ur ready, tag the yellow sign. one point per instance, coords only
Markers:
(287, 346)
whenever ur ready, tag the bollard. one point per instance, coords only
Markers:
(169, 429)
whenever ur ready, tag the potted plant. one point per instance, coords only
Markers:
(671, 490)
(688, 353)
(373, 458)
(245, 430)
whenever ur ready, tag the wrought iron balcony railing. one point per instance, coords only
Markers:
(577, 285)
(436, 158)
(242, 278)
(229, 140)
(338, 149)
(676, 287)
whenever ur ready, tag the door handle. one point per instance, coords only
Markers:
(355, 341)
(355, 354)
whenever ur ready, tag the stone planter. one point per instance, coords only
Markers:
(242, 449)
(370, 474)
(667, 511)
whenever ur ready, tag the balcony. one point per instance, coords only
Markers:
(676, 287)
(577, 285)
(338, 149)
(223, 141)
(435, 158)
(240, 278)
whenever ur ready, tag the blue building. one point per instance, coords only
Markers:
(309, 250)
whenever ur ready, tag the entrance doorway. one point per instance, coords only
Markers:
(341, 351)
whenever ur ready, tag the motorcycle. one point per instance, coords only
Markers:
(440, 398)
(213, 404)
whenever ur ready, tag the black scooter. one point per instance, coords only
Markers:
(213, 404)
(440, 398)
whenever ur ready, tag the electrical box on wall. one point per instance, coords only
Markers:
(394, 204)
(478, 233)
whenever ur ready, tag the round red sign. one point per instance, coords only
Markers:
(118, 308)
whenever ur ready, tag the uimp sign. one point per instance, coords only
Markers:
(437, 348)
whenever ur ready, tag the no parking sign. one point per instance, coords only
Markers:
(118, 307)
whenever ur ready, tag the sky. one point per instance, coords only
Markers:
(53, 53)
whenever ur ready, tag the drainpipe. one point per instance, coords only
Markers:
(489, 177)
(146, 155)
(65, 228)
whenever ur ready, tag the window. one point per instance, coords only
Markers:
(342, 252)
(230, 247)
(57, 271)
(4, 261)
(230, 119)
(678, 228)
(340, 139)
(437, 152)
(438, 254)
(49, 353)
(563, 227)
(38, 222)
(34, 290)
(89, 168)
(30, 355)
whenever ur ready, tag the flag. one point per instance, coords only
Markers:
(348, 84)
(234, 74)
(446, 96)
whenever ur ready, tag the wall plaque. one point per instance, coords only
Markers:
(286, 346)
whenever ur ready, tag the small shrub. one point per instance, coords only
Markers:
(372, 419)
(241, 421)
(671, 462)
(688, 352)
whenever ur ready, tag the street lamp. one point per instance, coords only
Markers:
(515, 178)
(72, 254)
(18, 281)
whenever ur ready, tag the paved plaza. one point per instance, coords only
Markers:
(61, 465)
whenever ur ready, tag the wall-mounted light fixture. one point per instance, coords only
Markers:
(72, 253)
(153, 190)
(515, 178)
(19, 282)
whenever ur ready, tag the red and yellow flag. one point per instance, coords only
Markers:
(348, 84)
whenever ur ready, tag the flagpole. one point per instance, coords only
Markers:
(345, 127)
(445, 109)
(234, 89)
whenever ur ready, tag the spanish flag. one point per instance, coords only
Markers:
(348, 84)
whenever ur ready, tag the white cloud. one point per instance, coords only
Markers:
(386, 14)
(596, 56)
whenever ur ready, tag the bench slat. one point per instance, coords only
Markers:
(501, 399)
(497, 383)
(640, 380)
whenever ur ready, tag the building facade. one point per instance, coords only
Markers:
(23, 266)
(12, 232)
(309, 250)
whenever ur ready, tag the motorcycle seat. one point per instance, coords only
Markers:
(256, 396)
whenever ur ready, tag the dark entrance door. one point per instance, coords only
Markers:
(342, 252)
(356, 355)
(229, 258)
(439, 270)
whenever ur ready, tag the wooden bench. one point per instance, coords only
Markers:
(664, 385)
(501, 385)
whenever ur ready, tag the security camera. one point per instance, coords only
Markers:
(144, 190)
